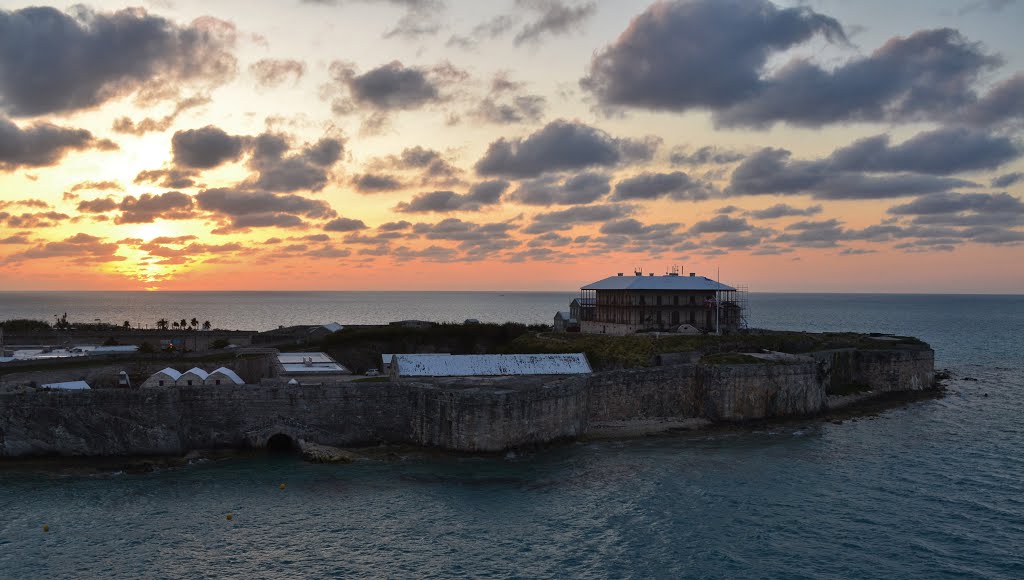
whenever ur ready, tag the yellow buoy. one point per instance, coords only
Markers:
(281, 486)
(230, 516)
(46, 527)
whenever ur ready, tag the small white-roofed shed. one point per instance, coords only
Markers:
(192, 377)
(224, 376)
(167, 377)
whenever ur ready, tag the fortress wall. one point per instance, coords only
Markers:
(486, 418)
(650, 393)
(896, 370)
(490, 419)
(96, 422)
(743, 392)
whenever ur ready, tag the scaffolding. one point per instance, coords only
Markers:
(735, 308)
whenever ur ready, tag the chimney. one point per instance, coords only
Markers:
(620, 273)
(693, 274)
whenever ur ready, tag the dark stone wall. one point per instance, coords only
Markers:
(480, 418)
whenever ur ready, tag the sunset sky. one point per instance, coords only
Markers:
(822, 145)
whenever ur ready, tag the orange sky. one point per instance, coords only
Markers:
(456, 145)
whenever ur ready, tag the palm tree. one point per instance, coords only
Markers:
(194, 323)
(127, 325)
(175, 325)
(206, 325)
(183, 324)
(162, 324)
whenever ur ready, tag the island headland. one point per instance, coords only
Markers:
(667, 380)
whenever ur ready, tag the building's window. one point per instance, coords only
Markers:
(675, 301)
(161, 383)
(658, 317)
(643, 301)
(693, 299)
(190, 383)
(659, 300)
(217, 381)
(693, 317)
(675, 317)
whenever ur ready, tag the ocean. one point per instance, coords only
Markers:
(930, 489)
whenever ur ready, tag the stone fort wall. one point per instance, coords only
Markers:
(481, 418)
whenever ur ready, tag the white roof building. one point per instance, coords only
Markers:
(224, 376)
(310, 363)
(192, 377)
(672, 282)
(167, 377)
(68, 386)
(488, 365)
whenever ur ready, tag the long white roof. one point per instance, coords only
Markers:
(666, 282)
(484, 365)
(68, 386)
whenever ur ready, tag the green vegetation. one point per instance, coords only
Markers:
(361, 348)
(731, 358)
(25, 325)
(219, 343)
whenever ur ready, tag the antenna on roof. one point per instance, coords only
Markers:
(638, 271)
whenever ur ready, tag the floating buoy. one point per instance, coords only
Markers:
(280, 486)
(46, 527)
(229, 516)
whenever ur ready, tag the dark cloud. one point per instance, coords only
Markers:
(36, 203)
(43, 219)
(205, 148)
(732, 46)
(279, 170)
(783, 210)
(548, 190)
(41, 144)
(81, 248)
(265, 220)
(19, 239)
(169, 178)
(430, 165)
(482, 194)
(151, 125)
(376, 183)
(1004, 101)
(390, 87)
(940, 152)
(560, 146)
(656, 62)
(676, 185)
(52, 62)
(394, 226)
(566, 219)
(271, 72)
(706, 155)
(101, 205)
(720, 224)
(344, 224)
(813, 234)
(1008, 179)
(770, 171)
(971, 209)
(552, 17)
(511, 109)
(172, 205)
(240, 203)
(97, 186)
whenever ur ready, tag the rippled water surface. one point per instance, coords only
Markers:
(932, 489)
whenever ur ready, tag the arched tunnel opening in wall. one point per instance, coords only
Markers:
(281, 443)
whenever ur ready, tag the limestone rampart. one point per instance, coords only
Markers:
(450, 416)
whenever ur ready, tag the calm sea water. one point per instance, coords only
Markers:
(934, 489)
